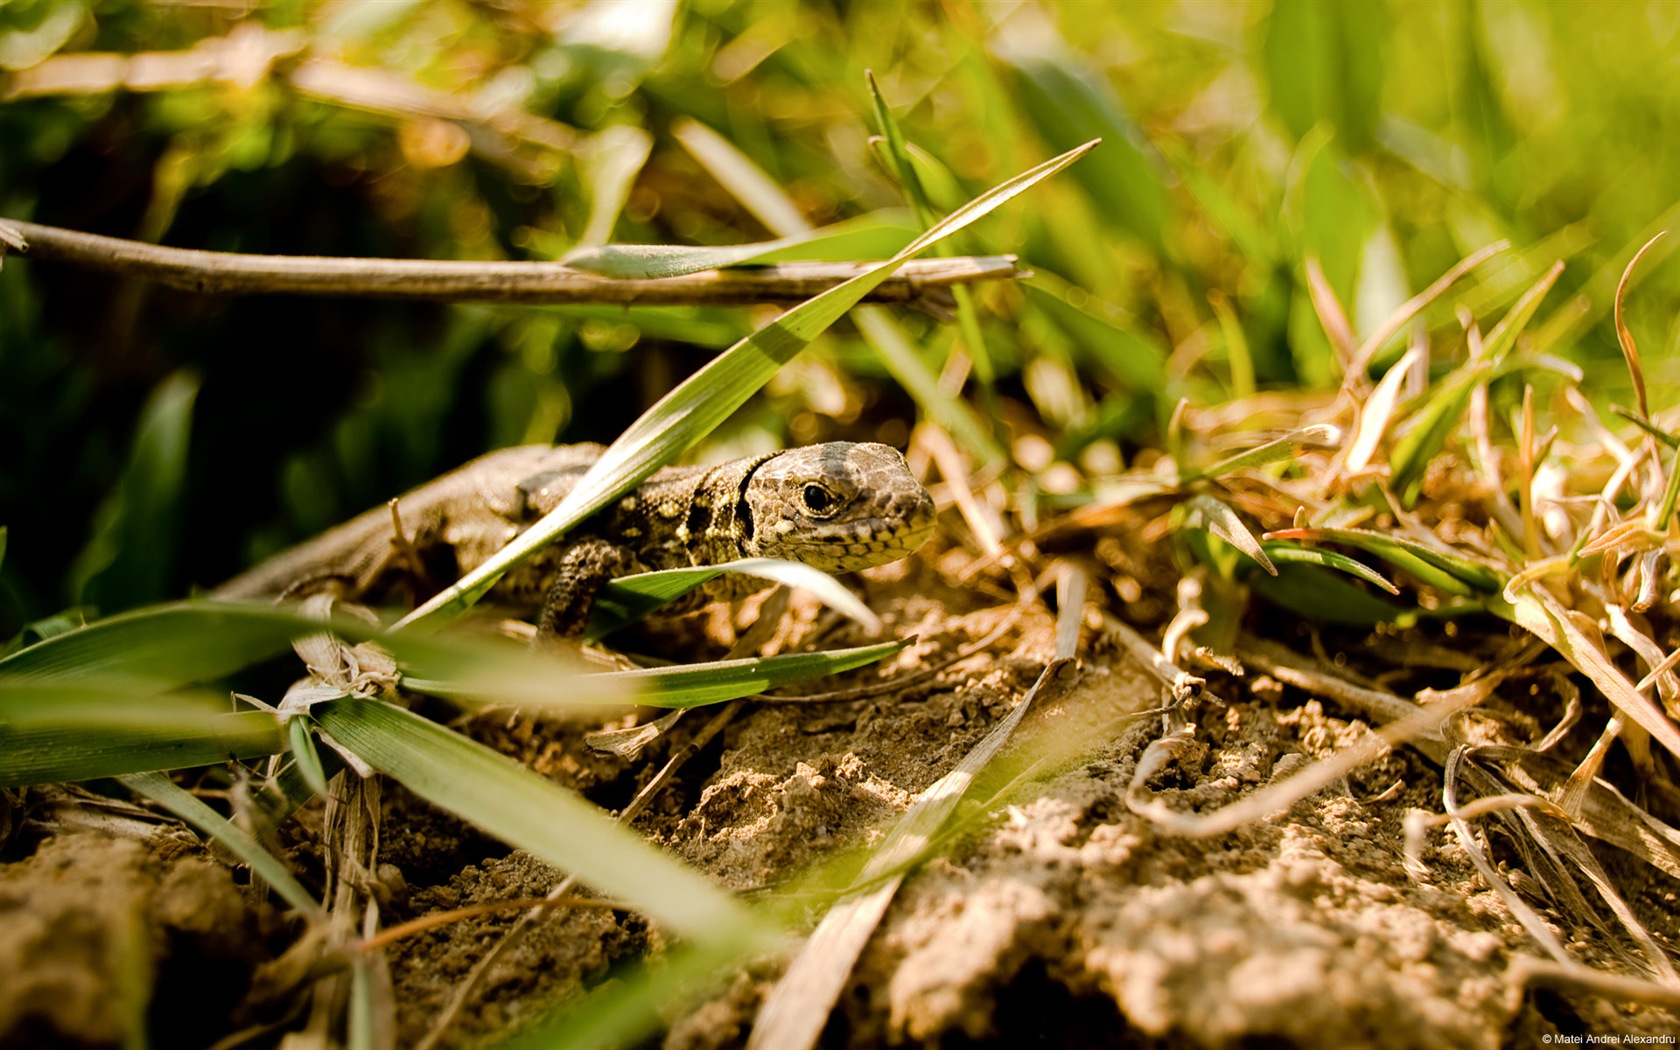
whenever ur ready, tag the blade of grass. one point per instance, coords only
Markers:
(608, 165)
(1202, 511)
(1068, 102)
(1505, 333)
(1542, 616)
(1321, 435)
(897, 152)
(710, 396)
(166, 793)
(755, 190)
(161, 647)
(865, 237)
(43, 752)
(1431, 426)
(1289, 553)
(1412, 307)
(682, 686)
(308, 759)
(628, 599)
(1330, 312)
(1630, 349)
(525, 810)
(1378, 409)
(1445, 570)
(1319, 595)
(135, 540)
(899, 355)
(792, 1014)
(749, 185)
(1129, 353)
(151, 651)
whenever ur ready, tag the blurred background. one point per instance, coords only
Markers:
(153, 440)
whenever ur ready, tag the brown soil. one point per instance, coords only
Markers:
(1055, 916)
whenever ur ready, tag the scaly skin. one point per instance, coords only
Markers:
(836, 507)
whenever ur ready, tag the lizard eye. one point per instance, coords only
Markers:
(819, 501)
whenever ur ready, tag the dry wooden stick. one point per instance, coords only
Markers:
(918, 281)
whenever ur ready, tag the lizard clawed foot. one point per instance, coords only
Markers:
(584, 569)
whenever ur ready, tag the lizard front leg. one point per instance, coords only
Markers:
(584, 568)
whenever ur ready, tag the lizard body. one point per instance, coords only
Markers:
(836, 507)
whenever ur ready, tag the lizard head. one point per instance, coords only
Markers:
(836, 507)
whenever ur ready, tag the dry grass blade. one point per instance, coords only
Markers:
(1411, 307)
(1527, 916)
(1630, 349)
(1330, 313)
(1378, 409)
(1553, 854)
(1605, 813)
(795, 1011)
(1543, 617)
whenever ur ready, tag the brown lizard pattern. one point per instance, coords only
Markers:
(836, 507)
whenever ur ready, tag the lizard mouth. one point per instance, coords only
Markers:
(867, 542)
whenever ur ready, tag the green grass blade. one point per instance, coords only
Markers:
(1291, 554)
(166, 793)
(865, 237)
(897, 153)
(531, 813)
(886, 337)
(1504, 335)
(1319, 595)
(163, 646)
(755, 190)
(1204, 512)
(682, 686)
(1068, 103)
(308, 759)
(95, 737)
(1453, 573)
(151, 651)
(710, 396)
(1127, 352)
(1324, 61)
(629, 1011)
(626, 600)
(1430, 428)
(1646, 425)
(128, 560)
(1320, 435)
(1663, 512)
(745, 181)
(608, 166)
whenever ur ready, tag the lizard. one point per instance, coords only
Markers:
(837, 506)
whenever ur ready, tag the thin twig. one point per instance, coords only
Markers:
(391, 934)
(550, 283)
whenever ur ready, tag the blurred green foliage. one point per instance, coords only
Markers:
(155, 439)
